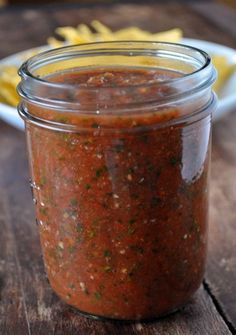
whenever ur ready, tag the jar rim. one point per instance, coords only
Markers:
(25, 72)
(202, 77)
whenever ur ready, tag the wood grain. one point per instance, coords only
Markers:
(219, 15)
(221, 272)
(12, 305)
(27, 303)
(31, 27)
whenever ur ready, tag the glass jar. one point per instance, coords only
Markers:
(118, 138)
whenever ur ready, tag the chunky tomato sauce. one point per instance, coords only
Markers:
(122, 202)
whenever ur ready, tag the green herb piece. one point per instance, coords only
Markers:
(61, 118)
(100, 171)
(79, 228)
(79, 239)
(43, 210)
(73, 202)
(91, 233)
(134, 196)
(144, 138)
(131, 170)
(150, 167)
(132, 221)
(71, 249)
(107, 253)
(187, 191)
(95, 222)
(43, 181)
(194, 226)
(101, 287)
(131, 231)
(174, 161)
(87, 186)
(155, 201)
(71, 285)
(137, 248)
(97, 295)
(95, 125)
(155, 250)
(132, 271)
(107, 268)
(119, 148)
(65, 137)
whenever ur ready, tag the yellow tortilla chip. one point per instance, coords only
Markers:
(224, 70)
(9, 78)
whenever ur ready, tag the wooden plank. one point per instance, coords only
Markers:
(32, 27)
(28, 29)
(12, 304)
(221, 270)
(12, 301)
(219, 15)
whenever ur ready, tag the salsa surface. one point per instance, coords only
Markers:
(122, 203)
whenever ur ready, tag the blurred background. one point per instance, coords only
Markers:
(33, 2)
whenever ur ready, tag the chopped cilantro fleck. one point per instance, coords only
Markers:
(107, 253)
(65, 137)
(144, 138)
(137, 248)
(95, 125)
(119, 148)
(174, 161)
(79, 228)
(155, 201)
(74, 202)
(71, 249)
(132, 221)
(43, 181)
(131, 231)
(100, 171)
(43, 210)
(71, 285)
(97, 295)
(91, 233)
(61, 118)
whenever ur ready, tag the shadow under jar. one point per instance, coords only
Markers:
(118, 138)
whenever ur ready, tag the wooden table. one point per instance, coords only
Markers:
(27, 303)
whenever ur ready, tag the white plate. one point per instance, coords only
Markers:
(7, 113)
(227, 98)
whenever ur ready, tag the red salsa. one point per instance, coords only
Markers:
(122, 200)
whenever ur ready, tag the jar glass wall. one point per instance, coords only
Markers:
(118, 138)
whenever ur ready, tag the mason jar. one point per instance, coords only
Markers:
(119, 141)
